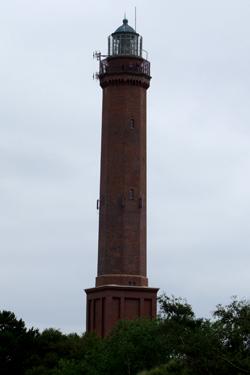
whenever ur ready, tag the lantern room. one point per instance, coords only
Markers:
(125, 41)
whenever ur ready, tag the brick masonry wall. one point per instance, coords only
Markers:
(122, 216)
(107, 305)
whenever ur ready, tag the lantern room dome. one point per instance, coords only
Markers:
(125, 28)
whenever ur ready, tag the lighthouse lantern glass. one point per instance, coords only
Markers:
(125, 44)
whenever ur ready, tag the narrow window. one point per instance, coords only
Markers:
(122, 201)
(132, 123)
(131, 194)
(140, 202)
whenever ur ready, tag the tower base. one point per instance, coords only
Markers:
(108, 304)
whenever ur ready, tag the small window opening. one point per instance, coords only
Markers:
(132, 123)
(131, 194)
(122, 201)
(140, 202)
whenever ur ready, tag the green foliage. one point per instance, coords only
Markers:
(176, 343)
(16, 344)
(188, 340)
(68, 367)
(173, 367)
(59, 354)
(176, 309)
(232, 324)
(133, 346)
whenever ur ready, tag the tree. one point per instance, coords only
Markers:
(59, 354)
(220, 347)
(232, 324)
(175, 343)
(190, 341)
(16, 344)
(133, 346)
(174, 367)
(175, 308)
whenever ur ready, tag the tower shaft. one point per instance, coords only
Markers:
(121, 290)
(122, 218)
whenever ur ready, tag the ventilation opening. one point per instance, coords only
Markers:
(132, 283)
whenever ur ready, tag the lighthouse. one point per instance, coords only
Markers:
(121, 288)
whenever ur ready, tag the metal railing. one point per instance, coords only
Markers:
(137, 67)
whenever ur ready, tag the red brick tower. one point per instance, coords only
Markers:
(122, 290)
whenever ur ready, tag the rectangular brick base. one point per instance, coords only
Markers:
(109, 303)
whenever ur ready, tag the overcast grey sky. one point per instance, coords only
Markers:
(198, 151)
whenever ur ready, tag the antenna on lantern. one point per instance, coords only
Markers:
(95, 76)
(97, 55)
(135, 18)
